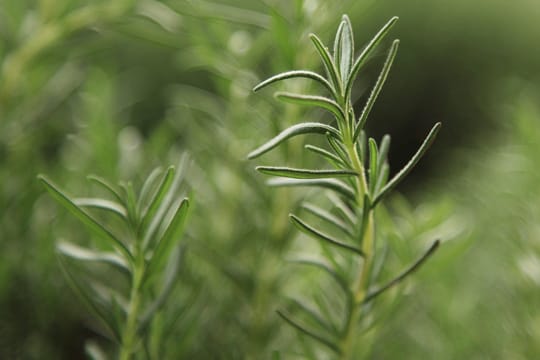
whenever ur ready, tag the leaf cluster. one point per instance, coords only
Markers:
(146, 253)
(357, 180)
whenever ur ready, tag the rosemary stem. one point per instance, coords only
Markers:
(129, 337)
(367, 240)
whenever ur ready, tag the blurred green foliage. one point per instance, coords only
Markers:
(115, 88)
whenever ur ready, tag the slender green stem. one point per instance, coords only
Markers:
(129, 336)
(367, 239)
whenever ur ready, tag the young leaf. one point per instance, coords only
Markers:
(344, 48)
(157, 199)
(102, 204)
(333, 159)
(373, 165)
(298, 129)
(408, 167)
(327, 269)
(338, 148)
(313, 315)
(147, 187)
(365, 53)
(170, 237)
(83, 254)
(312, 100)
(328, 217)
(309, 230)
(105, 185)
(377, 88)
(383, 150)
(329, 65)
(85, 218)
(296, 74)
(331, 184)
(415, 266)
(304, 173)
(309, 333)
(100, 314)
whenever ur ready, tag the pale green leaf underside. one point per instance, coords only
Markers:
(295, 130)
(312, 100)
(296, 74)
(330, 184)
(84, 254)
(102, 204)
(304, 173)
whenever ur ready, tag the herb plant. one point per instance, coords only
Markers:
(357, 181)
(143, 250)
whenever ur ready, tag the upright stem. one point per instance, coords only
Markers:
(367, 241)
(129, 337)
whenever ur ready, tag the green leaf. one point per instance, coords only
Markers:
(85, 218)
(296, 74)
(331, 184)
(147, 187)
(415, 266)
(327, 269)
(84, 254)
(309, 333)
(409, 166)
(102, 204)
(298, 129)
(170, 237)
(304, 173)
(373, 165)
(169, 281)
(344, 48)
(157, 199)
(384, 173)
(361, 145)
(329, 65)
(328, 217)
(365, 53)
(309, 230)
(313, 100)
(376, 89)
(339, 149)
(342, 207)
(384, 148)
(332, 158)
(313, 315)
(98, 312)
(105, 185)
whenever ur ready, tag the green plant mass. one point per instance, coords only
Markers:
(143, 250)
(359, 179)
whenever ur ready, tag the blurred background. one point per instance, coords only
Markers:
(117, 87)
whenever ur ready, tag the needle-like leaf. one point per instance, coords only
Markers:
(313, 100)
(298, 129)
(408, 167)
(296, 74)
(327, 269)
(102, 204)
(329, 65)
(85, 218)
(84, 254)
(328, 217)
(309, 333)
(304, 173)
(373, 165)
(331, 184)
(105, 185)
(377, 88)
(332, 158)
(415, 266)
(366, 52)
(157, 199)
(309, 230)
(170, 238)
(344, 48)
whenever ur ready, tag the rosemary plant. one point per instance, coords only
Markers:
(357, 182)
(143, 250)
